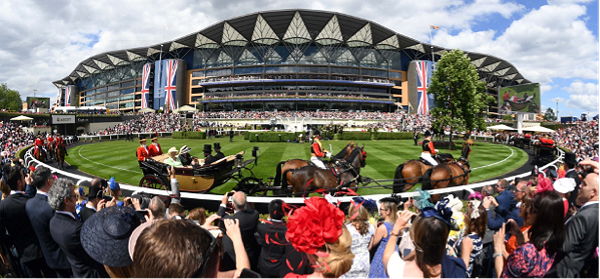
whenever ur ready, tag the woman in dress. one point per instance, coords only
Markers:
(361, 232)
(387, 210)
(470, 244)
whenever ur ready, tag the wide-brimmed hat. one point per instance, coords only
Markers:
(564, 185)
(105, 235)
(154, 139)
(184, 149)
(172, 150)
(217, 145)
(207, 148)
(134, 237)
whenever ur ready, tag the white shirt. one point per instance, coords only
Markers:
(42, 193)
(67, 213)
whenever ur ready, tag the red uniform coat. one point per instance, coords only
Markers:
(155, 150)
(142, 153)
(316, 149)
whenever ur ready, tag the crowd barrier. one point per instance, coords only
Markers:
(29, 159)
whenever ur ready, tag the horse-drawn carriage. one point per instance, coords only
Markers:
(198, 179)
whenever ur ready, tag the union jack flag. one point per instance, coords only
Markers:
(67, 96)
(170, 86)
(423, 73)
(145, 84)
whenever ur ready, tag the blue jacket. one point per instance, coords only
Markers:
(506, 209)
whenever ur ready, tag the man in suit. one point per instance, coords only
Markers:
(94, 197)
(218, 154)
(13, 219)
(208, 159)
(571, 163)
(581, 237)
(506, 206)
(65, 229)
(40, 213)
(248, 219)
(270, 235)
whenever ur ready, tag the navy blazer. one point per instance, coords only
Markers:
(13, 218)
(506, 209)
(40, 213)
(66, 232)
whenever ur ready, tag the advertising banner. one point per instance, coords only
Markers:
(519, 98)
(38, 103)
(63, 119)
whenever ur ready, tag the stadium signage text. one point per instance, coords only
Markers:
(63, 119)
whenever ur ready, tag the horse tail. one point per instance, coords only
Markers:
(277, 179)
(398, 185)
(426, 179)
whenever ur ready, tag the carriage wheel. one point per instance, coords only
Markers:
(153, 181)
(252, 186)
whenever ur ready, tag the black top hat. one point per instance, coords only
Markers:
(207, 148)
(105, 235)
(316, 133)
(217, 145)
(570, 159)
(427, 133)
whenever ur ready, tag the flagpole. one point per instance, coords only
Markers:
(431, 44)
(160, 68)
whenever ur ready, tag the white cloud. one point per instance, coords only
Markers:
(583, 95)
(43, 41)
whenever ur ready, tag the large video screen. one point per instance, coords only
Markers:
(38, 102)
(519, 98)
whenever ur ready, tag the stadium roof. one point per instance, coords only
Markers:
(294, 27)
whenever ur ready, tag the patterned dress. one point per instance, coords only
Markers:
(360, 244)
(377, 270)
(475, 253)
(527, 261)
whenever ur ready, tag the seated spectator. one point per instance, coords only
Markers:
(65, 229)
(362, 233)
(535, 257)
(105, 237)
(318, 230)
(429, 233)
(270, 235)
(173, 159)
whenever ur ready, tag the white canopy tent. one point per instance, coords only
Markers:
(501, 127)
(21, 118)
(145, 110)
(538, 129)
(186, 108)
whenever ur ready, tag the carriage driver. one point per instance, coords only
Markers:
(142, 151)
(428, 149)
(466, 150)
(317, 152)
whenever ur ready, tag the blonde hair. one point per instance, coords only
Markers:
(392, 208)
(340, 257)
(358, 216)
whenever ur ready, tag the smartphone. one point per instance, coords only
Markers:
(107, 198)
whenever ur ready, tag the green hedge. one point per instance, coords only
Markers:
(393, 136)
(189, 135)
(272, 136)
(21, 152)
(355, 136)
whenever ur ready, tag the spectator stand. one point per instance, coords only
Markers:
(91, 138)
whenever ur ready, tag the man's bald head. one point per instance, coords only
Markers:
(588, 189)
(239, 200)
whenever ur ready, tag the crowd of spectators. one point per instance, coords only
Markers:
(13, 138)
(537, 226)
(149, 122)
(580, 138)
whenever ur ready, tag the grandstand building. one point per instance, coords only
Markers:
(274, 60)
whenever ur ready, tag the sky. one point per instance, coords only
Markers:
(553, 42)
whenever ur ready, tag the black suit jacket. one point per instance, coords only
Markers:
(581, 240)
(86, 213)
(209, 160)
(13, 218)
(66, 232)
(40, 213)
(248, 219)
(573, 174)
(219, 155)
(271, 238)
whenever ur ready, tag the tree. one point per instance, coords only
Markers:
(549, 115)
(459, 96)
(10, 99)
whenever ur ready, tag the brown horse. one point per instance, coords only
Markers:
(39, 153)
(411, 172)
(284, 166)
(447, 174)
(50, 149)
(309, 178)
(59, 154)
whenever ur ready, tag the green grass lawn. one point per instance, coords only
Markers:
(117, 158)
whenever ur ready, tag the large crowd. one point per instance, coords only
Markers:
(538, 226)
(581, 138)
(13, 138)
(150, 122)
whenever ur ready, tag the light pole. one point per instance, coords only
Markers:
(160, 71)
